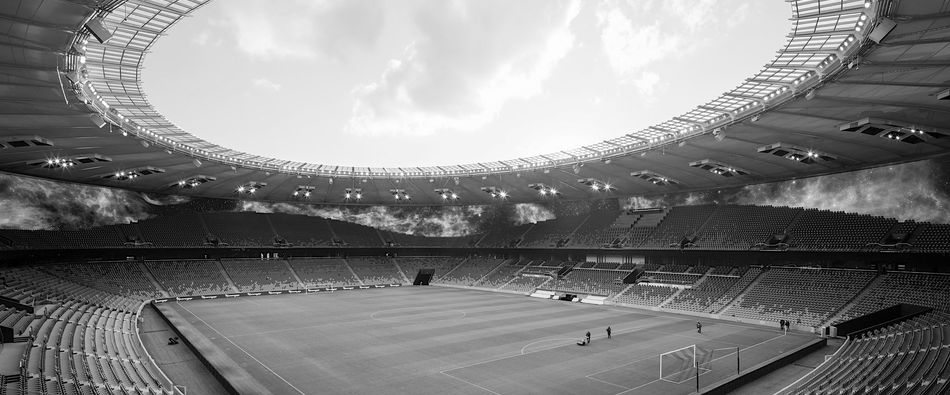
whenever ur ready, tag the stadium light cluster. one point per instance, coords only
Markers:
(596, 185)
(654, 178)
(59, 163)
(717, 168)
(304, 191)
(400, 194)
(194, 182)
(545, 190)
(891, 130)
(495, 192)
(250, 187)
(132, 174)
(796, 154)
(353, 194)
(447, 194)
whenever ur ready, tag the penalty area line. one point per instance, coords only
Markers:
(242, 350)
(470, 383)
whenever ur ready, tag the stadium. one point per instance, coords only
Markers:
(787, 236)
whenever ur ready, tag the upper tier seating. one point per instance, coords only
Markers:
(820, 230)
(552, 233)
(174, 231)
(504, 237)
(932, 238)
(406, 240)
(714, 227)
(240, 229)
(740, 227)
(679, 223)
(591, 232)
(303, 231)
(351, 234)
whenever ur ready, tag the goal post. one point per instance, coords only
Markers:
(678, 365)
(690, 362)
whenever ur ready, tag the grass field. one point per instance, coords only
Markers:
(434, 340)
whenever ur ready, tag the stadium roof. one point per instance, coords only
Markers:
(858, 84)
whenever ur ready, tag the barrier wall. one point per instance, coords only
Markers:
(234, 379)
(728, 385)
(879, 319)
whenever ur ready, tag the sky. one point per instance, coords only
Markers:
(401, 83)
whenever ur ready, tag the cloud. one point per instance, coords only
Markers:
(631, 45)
(636, 35)
(913, 191)
(302, 29)
(33, 204)
(647, 82)
(694, 14)
(266, 84)
(436, 221)
(469, 60)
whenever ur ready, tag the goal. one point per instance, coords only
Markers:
(683, 364)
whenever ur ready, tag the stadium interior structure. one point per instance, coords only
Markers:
(860, 84)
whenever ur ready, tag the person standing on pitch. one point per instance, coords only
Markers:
(699, 327)
(608, 332)
(588, 337)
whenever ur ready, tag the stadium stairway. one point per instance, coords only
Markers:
(741, 295)
(401, 272)
(293, 273)
(521, 236)
(350, 268)
(625, 289)
(227, 277)
(493, 270)
(675, 294)
(462, 262)
(151, 279)
(479, 241)
(515, 276)
(854, 301)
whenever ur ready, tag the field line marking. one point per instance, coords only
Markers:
(242, 349)
(544, 341)
(638, 387)
(470, 383)
(621, 331)
(607, 382)
(716, 359)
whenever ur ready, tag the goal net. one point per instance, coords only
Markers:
(683, 364)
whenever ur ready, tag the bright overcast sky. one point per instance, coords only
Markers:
(437, 82)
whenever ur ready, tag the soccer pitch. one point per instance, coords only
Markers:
(435, 340)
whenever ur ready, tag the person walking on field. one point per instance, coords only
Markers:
(699, 327)
(608, 332)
